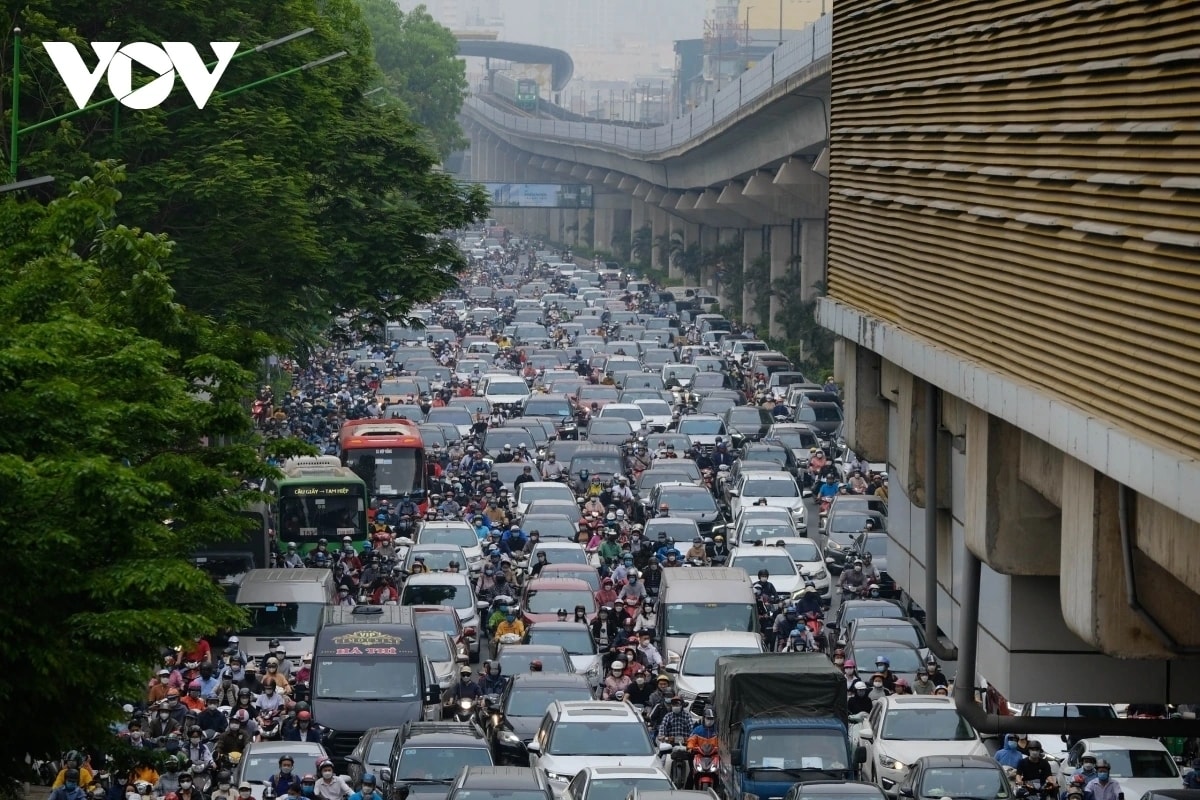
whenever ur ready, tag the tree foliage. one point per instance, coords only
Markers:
(421, 69)
(292, 201)
(109, 391)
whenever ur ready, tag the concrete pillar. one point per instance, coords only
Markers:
(495, 159)
(603, 229)
(1009, 526)
(866, 410)
(752, 250)
(660, 224)
(638, 216)
(709, 235)
(781, 269)
(812, 256)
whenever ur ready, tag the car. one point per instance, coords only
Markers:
(771, 489)
(747, 424)
(659, 441)
(696, 668)
(1172, 794)
(630, 412)
(437, 557)
(800, 439)
(775, 560)
(902, 728)
(849, 610)
(806, 555)
(704, 430)
(613, 430)
(842, 529)
(429, 756)
(452, 532)
(516, 659)
(905, 661)
(1055, 746)
(441, 651)
(560, 552)
(941, 776)
(371, 754)
(689, 501)
(1139, 765)
(876, 544)
(260, 760)
(575, 735)
(543, 597)
(446, 620)
(906, 631)
(457, 416)
(556, 507)
(511, 783)
(556, 528)
(541, 490)
(657, 413)
(576, 639)
(824, 418)
(679, 530)
(616, 783)
(522, 707)
(583, 572)
(761, 515)
(834, 790)
(444, 589)
(672, 794)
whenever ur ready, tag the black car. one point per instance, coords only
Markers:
(778, 453)
(523, 706)
(428, 756)
(747, 424)
(852, 609)
(372, 754)
(824, 418)
(955, 776)
(514, 783)
(835, 790)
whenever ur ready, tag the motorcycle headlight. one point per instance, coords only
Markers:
(465, 704)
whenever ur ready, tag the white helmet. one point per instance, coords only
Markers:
(618, 666)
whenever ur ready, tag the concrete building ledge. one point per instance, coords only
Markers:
(1167, 476)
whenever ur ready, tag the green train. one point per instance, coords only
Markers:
(520, 92)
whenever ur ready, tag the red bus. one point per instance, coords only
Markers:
(387, 454)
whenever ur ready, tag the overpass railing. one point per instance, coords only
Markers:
(796, 54)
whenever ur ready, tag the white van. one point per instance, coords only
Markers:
(284, 604)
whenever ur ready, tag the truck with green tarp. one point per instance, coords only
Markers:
(781, 719)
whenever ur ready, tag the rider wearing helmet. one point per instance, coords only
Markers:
(286, 777)
(304, 729)
(76, 761)
(1034, 770)
(492, 682)
(883, 666)
(615, 681)
(368, 790)
(330, 786)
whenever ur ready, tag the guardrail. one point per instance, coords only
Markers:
(796, 54)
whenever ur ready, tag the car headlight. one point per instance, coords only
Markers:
(593, 673)
(509, 738)
(821, 574)
(832, 545)
(561, 778)
(887, 762)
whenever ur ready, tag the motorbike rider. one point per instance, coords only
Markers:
(286, 777)
(1102, 787)
(1033, 769)
(633, 588)
(465, 689)
(615, 681)
(1087, 768)
(934, 671)
(649, 653)
(1006, 756)
(368, 790)
(705, 731)
(697, 552)
(70, 788)
(860, 701)
(641, 690)
(853, 580)
(883, 667)
(509, 625)
(492, 682)
(305, 730)
(769, 592)
(676, 724)
(168, 779)
(197, 751)
(607, 595)
(331, 786)
(211, 718)
(809, 602)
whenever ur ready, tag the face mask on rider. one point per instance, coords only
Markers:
(327, 774)
(185, 783)
(1102, 776)
(164, 715)
(245, 792)
(877, 684)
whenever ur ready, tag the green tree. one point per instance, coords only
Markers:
(809, 345)
(421, 68)
(292, 202)
(105, 425)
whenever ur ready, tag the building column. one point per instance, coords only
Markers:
(660, 224)
(812, 256)
(753, 246)
(781, 269)
(602, 229)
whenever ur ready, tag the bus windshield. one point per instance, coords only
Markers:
(282, 619)
(388, 471)
(317, 514)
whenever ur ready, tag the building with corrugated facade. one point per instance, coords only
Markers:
(1014, 275)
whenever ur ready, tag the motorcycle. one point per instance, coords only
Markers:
(706, 763)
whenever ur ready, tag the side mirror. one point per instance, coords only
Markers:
(353, 760)
(433, 695)
(483, 605)
(806, 494)
(400, 791)
(734, 493)
(735, 757)
(829, 561)
(385, 774)
(672, 668)
(665, 747)
(865, 733)
(860, 757)
(906, 793)
(533, 747)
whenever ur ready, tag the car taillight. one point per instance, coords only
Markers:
(468, 631)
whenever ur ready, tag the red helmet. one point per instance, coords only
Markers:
(306, 716)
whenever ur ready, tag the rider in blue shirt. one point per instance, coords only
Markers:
(1009, 755)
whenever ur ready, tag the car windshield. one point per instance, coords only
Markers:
(439, 763)
(903, 659)
(975, 783)
(547, 408)
(629, 414)
(684, 619)
(499, 794)
(926, 724)
(599, 739)
(821, 413)
(498, 388)
(619, 788)
(260, 768)
(803, 551)
(590, 393)
(549, 601)
(529, 493)
(282, 619)
(432, 621)
(748, 415)
(794, 439)
(702, 427)
(768, 533)
(770, 488)
(380, 754)
(900, 632)
(1138, 763)
(849, 523)
(449, 414)
(438, 560)
(610, 424)
(688, 500)
(459, 536)
(435, 648)
(702, 661)
(879, 609)
(655, 408)
(436, 594)
(849, 792)
(876, 545)
(563, 555)
(576, 642)
(514, 661)
(777, 564)
(607, 465)
(783, 749)
(367, 679)
(533, 702)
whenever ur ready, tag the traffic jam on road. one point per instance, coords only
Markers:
(570, 535)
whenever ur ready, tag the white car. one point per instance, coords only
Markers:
(696, 668)
(902, 728)
(1055, 746)
(505, 390)
(809, 559)
(453, 532)
(1139, 765)
(777, 489)
(542, 490)
(575, 735)
(776, 561)
(657, 414)
(440, 650)
(444, 589)
(630, 412)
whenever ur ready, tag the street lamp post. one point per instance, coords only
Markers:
(15, 130)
